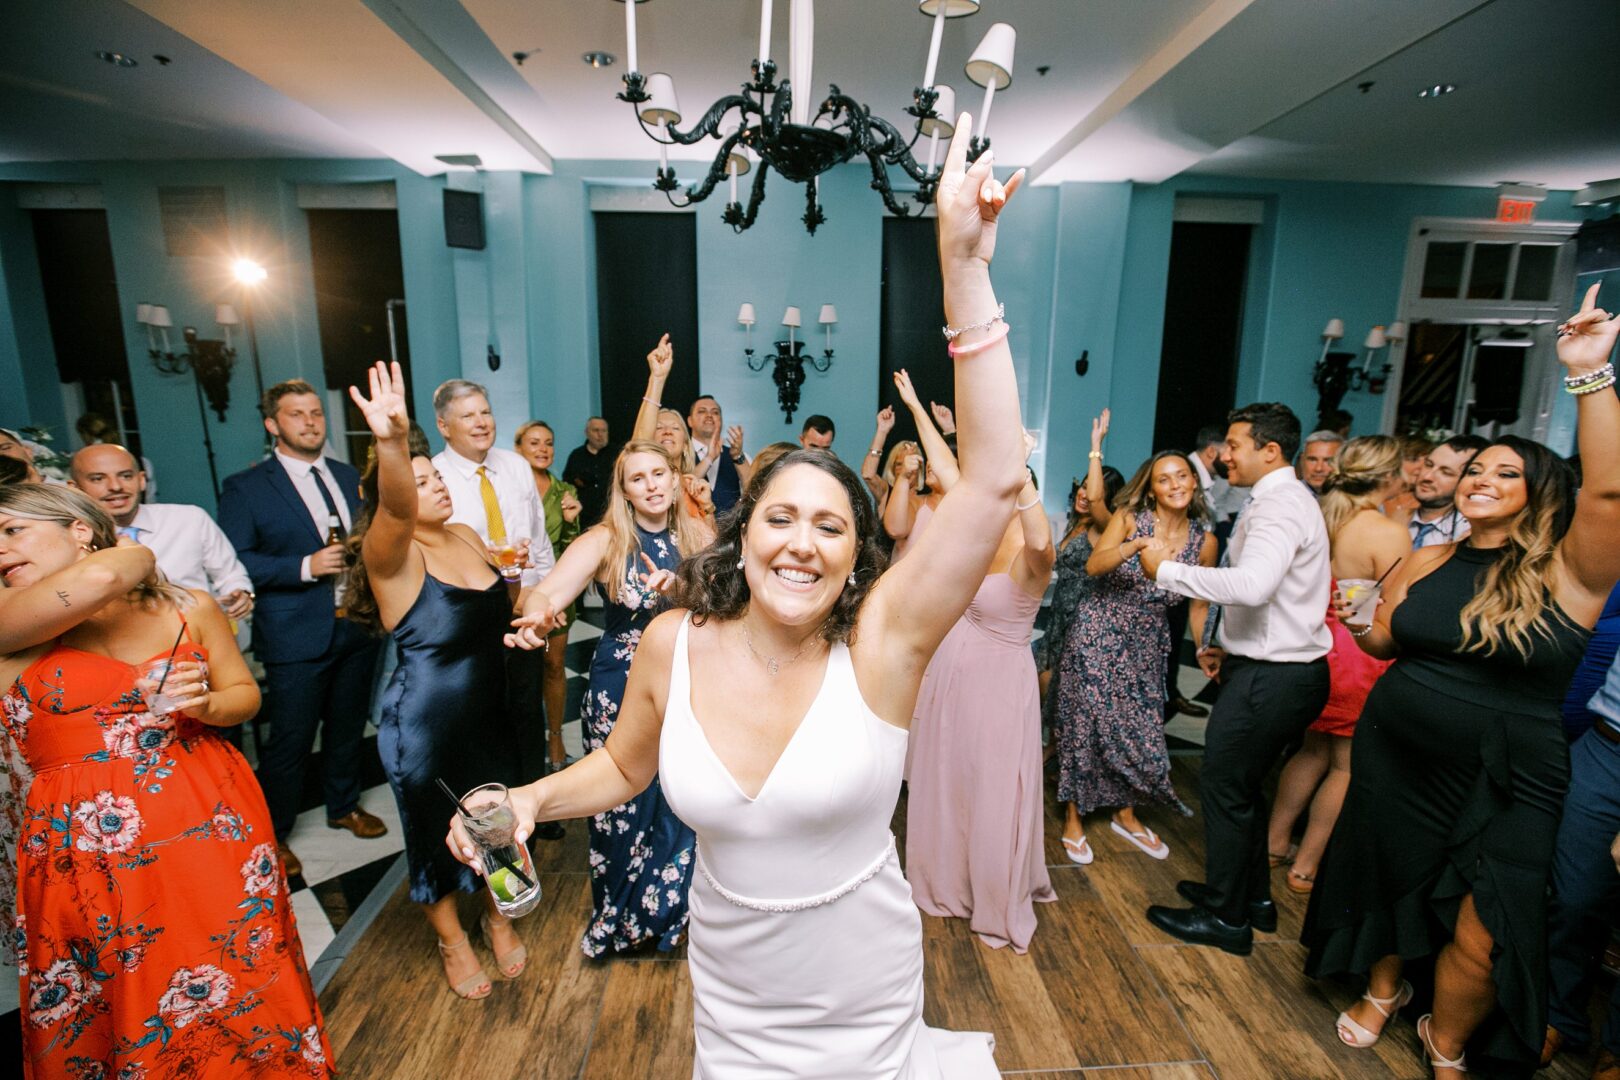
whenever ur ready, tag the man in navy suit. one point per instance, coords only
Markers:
(319, 667)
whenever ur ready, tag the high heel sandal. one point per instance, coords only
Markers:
(1299, 884)
(465, 989)
(1436, 1061)
(510, 963)
(1353, 1034)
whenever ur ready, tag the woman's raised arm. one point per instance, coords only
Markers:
(871, 464)
(1590, 550)
(1096, 487)
(386, 547)
(934, 446)
(659, 362)
(56, 604)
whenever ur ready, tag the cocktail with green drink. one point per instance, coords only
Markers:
(486, 813)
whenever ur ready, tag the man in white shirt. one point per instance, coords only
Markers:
(492, 491)
(1271, 655)
(191, 550)
(1436, 520)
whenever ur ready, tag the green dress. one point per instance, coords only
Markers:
(559, 531)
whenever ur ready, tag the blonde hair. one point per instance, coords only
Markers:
(1138, 495)
(620, 518)
(686, 462)
(63, 506)
(896, 454)
(517, 439)
(1361, 468)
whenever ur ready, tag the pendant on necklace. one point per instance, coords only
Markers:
(771, 666)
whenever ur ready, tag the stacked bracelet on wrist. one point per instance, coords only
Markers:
(959, 351)
(953, 332)
(1590, 382)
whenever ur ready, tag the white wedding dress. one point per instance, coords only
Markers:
(805, 948)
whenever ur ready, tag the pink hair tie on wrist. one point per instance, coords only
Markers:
(959, 351)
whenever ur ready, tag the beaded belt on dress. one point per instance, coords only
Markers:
(782, 906)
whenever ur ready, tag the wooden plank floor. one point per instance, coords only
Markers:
(1101, 994)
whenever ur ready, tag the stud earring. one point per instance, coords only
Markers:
(852, 577)
(740, 563)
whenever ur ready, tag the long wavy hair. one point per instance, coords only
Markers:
(620, 517)
(1363, 466)
(63, 506)
(1510, 606)
(710, 584)
(1138, 494)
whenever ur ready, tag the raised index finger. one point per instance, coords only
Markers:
(1591, 297)
(956, 153)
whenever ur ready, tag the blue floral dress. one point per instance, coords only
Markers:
(641, 853)
(1109, 687)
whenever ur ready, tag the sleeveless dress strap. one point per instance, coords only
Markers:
(680, 671)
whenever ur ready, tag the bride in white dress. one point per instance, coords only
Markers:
(774, 710)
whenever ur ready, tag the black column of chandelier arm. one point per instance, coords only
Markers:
(738, 218)
(813, 215)
(706, 126)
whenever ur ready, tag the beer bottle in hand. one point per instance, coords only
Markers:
(334, 530)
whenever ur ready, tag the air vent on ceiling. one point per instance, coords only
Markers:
(193, 220)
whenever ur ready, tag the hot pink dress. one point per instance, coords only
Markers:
(974, 832)
(1352, 674)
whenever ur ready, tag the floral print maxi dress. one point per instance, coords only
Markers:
(152, 914)
(1109, 719)
(641, 853)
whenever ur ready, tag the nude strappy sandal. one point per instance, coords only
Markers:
(1353, 1034)
(1425, 1022)
(511, 963)
(466, 988)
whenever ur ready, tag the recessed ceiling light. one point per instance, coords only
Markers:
(599, 59)
(116, 59)
(1437, 90)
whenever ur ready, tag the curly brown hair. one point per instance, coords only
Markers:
(711, 584)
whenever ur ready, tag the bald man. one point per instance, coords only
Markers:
(191, 550)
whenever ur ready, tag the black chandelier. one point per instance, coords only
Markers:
(783, 135)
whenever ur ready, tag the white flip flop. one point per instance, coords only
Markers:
(1159, 850)
(1078, 851)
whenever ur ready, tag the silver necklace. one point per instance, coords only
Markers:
(772, 665)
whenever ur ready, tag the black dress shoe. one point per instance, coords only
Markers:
(550, 830)
(1179, 704)
(1262, 913)
(1197, 926)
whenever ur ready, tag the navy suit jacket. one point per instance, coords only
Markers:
(270, 527)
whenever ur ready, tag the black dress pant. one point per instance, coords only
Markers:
(1263, 707)
(525, 706)
(330, 694)
(1178, 615)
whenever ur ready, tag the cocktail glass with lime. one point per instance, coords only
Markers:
(491, 823)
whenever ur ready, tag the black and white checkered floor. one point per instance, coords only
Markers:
(341, 871)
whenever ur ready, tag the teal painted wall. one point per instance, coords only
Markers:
(1080, 267)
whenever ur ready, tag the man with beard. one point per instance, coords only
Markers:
(1436, 520)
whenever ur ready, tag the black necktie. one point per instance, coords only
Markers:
(331, 504)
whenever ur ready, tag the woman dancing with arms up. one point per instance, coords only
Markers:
(775, 712)
(1459, 765)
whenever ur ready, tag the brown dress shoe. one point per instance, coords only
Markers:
(1180, 704)
(1607, 1067)
(365, 826)
(289, 861)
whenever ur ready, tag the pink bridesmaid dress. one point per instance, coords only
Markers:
(974, 828)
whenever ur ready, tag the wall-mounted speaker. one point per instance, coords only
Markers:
(464, 219)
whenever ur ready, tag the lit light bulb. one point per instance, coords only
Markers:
(249, 272)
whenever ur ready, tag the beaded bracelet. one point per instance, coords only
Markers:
(1365, 630)
(1575, 382)
(1590, 388)
(959, 351)
(953, 332)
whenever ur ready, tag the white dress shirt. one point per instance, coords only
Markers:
(1275, 589)
(519, 499)
(191, 550)
(1448, 528)
(304, 483)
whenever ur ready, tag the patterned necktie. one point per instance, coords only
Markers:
(492, 508)
(1212, 621)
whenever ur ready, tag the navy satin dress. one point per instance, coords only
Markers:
(444, 715)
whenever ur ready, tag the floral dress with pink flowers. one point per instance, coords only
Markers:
(151, 913)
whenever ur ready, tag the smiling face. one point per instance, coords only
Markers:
(649, 484)
(1436, 487)
(1316, 463)
(1081, 504)
(1173, 482)
(299, 424)
(432, 497)
(538, 447)
(1493, 489)
(468, 426)
(704, 418)
(800, 546)
(110, 475)
(670, 432)
(31, 549)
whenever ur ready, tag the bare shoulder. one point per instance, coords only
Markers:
(657, 644)
(204, 608)
(467, 533)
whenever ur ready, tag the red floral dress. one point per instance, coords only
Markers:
(152, 917)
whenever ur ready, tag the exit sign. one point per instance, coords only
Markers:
(1516, 211)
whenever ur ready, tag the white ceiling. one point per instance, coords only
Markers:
(1136, 89)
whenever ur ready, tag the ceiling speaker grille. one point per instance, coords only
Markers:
(193, 220)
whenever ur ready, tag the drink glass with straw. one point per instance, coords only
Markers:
(159, 704)
(1362, 595)
(487, 815)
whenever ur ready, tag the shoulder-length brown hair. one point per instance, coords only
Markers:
(711, 584)
(1138, 494)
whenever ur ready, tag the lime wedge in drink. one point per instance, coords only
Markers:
(505, 885)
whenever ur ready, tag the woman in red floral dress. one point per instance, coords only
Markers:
(152, 920)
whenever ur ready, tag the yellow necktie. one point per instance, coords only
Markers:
(492, 508)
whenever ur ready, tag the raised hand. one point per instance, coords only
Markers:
(1099, 430)
(1587, 338)
(885, 422)
(969, 199)
(942, 417)
(656, 579)
(908, 395)
(662, 358)
(700, 492)
(570, 508)
(909, 465)
(734, 435)
(384, 410)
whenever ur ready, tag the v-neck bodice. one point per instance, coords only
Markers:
(822, 815)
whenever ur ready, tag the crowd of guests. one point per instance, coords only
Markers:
(1447, 756)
